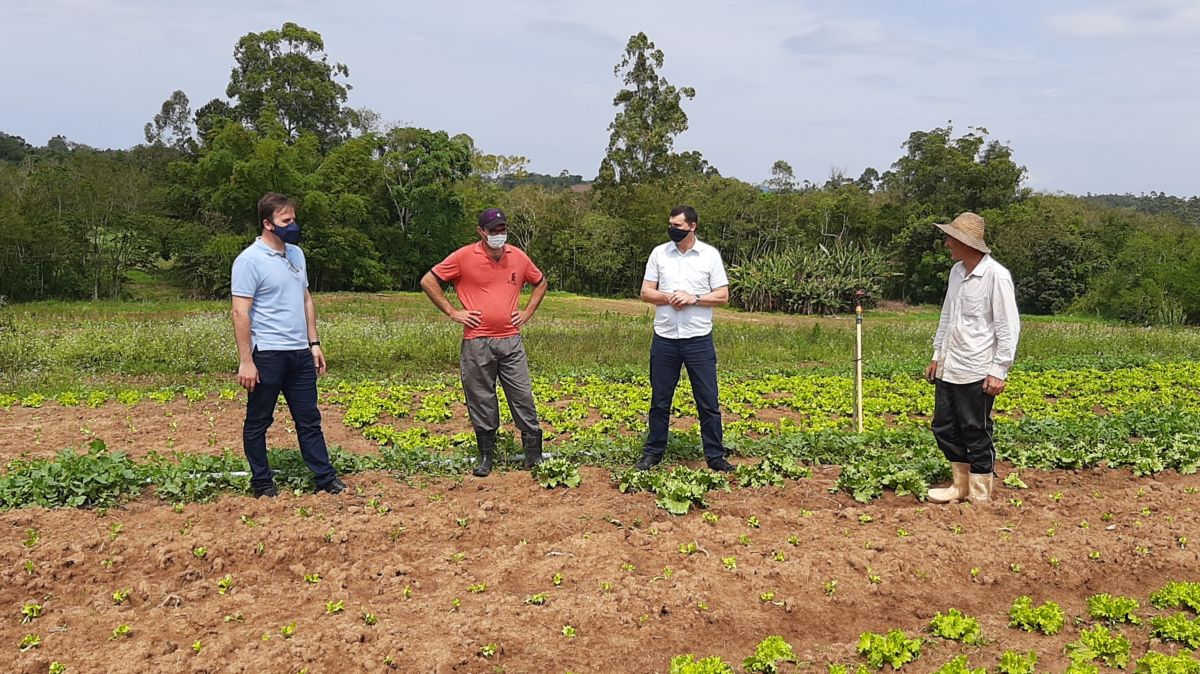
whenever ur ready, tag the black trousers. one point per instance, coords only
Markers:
(962, 424)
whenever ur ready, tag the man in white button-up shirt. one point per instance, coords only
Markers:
(973, 350)
(685, 278)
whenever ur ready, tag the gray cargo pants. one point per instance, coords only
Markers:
(481, 360)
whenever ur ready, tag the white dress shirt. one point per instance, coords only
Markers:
(699, 271)
(978, 331)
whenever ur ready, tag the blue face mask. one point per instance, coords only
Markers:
(289, 233)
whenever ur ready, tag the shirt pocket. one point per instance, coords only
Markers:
(975, 304)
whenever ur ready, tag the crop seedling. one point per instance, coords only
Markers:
(30, 612)
(606, 586)
(1014, 662)
(234, 617)
(1177, 627)
(959, 665)
(1158, 663)
(30, 642)
(288, 630)
(1098, 643)
(120, 597)
(488, 650)
(1047, 618)
(779, 556)
(477, 588)
(730, 563)
(57, 667)
(32, 537)
(557, 579)
(312, 578)
(744, 539)
(895, 649)
(121, 631)
(225, 584)
(200, 552)
(196, 646)
(768, 654)
(538, 599)
(688, 549)
(557, 472)
(794, 540)
(830, 588)
(1177, 595)
(463, 522)
(688, 664)
(455, 604)
(568, 631)
(1013, 481)
(114, 530)
(752, 522)
(710, 517)
(956, 626)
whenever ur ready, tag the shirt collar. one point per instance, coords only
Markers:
(478, 249)
(258, 243)
(696, 247)
(981, 267)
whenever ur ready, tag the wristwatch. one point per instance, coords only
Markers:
(316, 343)
(697, 298)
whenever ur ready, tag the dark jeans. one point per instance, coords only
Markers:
(293, 374)
(962, 424)
(667, 356)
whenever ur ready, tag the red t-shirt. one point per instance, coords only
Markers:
(489, 286)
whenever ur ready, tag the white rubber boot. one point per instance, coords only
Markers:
(957, 491)
(981, 488)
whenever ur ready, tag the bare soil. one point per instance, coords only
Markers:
(514, 537)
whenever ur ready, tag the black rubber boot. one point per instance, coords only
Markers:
(531, 442)
(487, 448)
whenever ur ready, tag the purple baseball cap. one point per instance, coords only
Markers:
(492, 218)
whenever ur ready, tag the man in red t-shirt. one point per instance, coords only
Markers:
(488, 276)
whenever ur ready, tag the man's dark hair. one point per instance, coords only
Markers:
(689, 214)
(270, 204)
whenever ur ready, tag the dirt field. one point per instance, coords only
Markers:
(629, 611)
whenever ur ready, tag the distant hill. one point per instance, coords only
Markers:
(1155, 203)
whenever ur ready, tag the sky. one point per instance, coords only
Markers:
(1092, 95)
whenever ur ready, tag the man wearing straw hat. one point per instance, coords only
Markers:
(973, 349)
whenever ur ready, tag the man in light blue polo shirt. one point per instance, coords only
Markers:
(275, 324)
(685, 278)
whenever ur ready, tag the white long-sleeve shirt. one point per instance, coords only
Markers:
(978, 331)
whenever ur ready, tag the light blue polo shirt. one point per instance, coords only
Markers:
(276, 283)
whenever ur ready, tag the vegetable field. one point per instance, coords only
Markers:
(131, 544)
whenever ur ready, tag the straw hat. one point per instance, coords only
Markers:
(968, 228)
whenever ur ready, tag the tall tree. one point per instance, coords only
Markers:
(783, 178)
(650, 115)
(13, 148)
(287, 71)
(172, 126)
(951, 175)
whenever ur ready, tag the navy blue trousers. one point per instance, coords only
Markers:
(667, 357)
(293, 374)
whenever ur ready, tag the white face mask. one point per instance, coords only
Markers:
(497, 240)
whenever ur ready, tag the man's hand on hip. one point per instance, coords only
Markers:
(518, 318)
(471, 319)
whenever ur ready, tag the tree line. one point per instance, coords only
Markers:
(382, 203)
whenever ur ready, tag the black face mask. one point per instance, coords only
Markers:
(677, 234)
